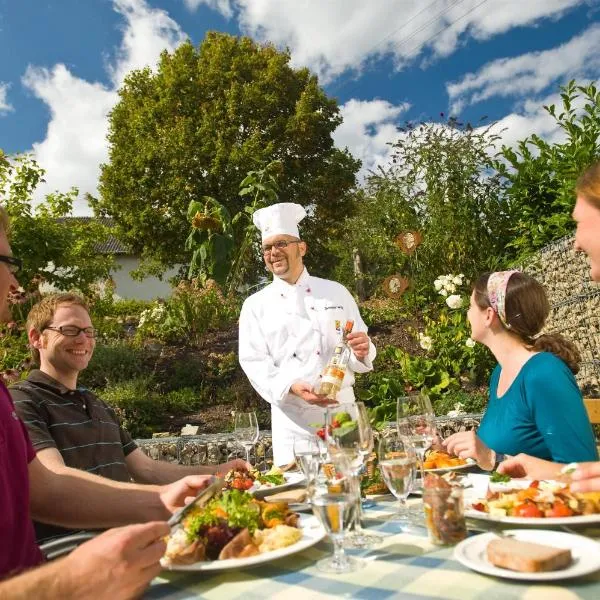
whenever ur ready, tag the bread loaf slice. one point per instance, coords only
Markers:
(527, 557)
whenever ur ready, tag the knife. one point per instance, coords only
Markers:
(205, 494)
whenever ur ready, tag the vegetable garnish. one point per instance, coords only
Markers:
(496, 477)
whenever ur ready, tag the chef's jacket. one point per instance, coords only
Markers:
(287, 333)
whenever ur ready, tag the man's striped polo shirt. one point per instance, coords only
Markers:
(83, 428)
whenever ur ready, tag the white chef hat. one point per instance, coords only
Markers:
(282, 218)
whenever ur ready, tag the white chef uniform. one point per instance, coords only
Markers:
(287, 333)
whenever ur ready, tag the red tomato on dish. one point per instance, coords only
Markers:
(534, 484)
(559, 510)
(528, 510)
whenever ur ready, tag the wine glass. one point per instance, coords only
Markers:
(332, 500)
(349, 439)
(416, 420)
(246, 430)
(398, 463)
(308, 456)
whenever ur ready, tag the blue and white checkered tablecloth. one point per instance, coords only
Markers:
(405, 565)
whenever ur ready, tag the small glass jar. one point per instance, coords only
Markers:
(444, 515)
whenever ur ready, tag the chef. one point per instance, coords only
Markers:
(288, 331)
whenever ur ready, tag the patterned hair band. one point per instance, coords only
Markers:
(496, 289)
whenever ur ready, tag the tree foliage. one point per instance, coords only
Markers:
(65, 255)
(198, 124)
(540, 175)
(440, 185)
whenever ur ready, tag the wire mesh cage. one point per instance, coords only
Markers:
(575, 305)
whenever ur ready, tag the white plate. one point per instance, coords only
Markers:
(478, 491)
(312, 532)
(586, 554)
(470, 462)
(291, 479)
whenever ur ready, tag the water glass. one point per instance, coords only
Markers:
(398, 464)
(308, 456)
(246, 430)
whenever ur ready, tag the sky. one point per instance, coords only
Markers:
(385, 61)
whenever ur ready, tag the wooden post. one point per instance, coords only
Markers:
(358, 275)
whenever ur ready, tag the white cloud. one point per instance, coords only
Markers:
(368, 129)
(529, 73)
(333, 36)
(75, 143)
(223, 6)
(5, 106)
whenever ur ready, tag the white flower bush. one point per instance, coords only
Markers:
(446, 284)
(470, 342)
(425, 342)
(455, 301)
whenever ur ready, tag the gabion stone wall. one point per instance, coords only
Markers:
(575, 301)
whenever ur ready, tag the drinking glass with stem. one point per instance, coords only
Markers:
(349, 444)
(308, 456)
(246, 430)
(398, 464)
(332, 501)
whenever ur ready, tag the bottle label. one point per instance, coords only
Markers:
(333, 375)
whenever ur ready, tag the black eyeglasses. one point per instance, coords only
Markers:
(14, 264)
(280, 245)
(74, 331)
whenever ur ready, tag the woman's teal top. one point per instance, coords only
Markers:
(541, 414)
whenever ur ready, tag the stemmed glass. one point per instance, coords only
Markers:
(308, 456)
(416, 420)
(246, 430)
(398, 464)
(349, 440)
(332, 500)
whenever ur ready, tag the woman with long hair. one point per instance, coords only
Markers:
(534, 405)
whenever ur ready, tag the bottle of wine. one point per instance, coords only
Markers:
(331, 380)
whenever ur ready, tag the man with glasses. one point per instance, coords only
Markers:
(67, 423)
(118, 563)
(288, 331)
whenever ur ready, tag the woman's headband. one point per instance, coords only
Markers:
(496, 289)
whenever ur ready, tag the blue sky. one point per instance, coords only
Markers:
(384, 60)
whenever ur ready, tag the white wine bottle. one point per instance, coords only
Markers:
(331, 380)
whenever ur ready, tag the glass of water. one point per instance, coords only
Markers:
(398, 465)
(333, 502)
(308, 456)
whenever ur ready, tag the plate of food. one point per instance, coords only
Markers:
(530, 554)
(262, 484)
(437, 461)
(234, 530)
(526, 502)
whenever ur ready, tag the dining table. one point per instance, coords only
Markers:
(405, 564)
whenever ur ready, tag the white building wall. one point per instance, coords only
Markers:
(146, 289)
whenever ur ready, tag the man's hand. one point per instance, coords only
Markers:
(586, 478)
(359, 344)
(237, 464)
(117, 564)
(523, 465)
(305, 391)
(178, 494)
(467, 444)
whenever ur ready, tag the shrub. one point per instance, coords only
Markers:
(137, 405)
(113, 363)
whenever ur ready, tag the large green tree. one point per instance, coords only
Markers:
(540, 176)
(63, 253)
(199, 123)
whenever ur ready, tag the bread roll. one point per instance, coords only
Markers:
(526, 557)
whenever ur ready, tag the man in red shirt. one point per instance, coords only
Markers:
(117, 564)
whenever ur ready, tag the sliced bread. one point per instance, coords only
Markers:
(527, 557)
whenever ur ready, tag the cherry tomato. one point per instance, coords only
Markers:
(479, 506)
(534, 484)
(527, 510)
(559, 510)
